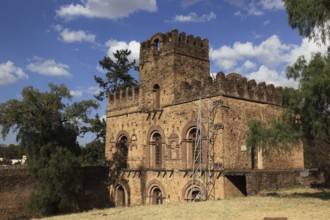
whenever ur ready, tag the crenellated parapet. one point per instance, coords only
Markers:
(233, 85)
(124, 98)
(174, 42)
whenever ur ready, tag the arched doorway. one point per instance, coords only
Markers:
(120, 196)
(156, 196)
(195, 194)
(194, 191)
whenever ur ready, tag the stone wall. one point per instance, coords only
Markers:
(15, 187)
(16, 184)
(270, 180)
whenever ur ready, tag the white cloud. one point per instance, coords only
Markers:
(249, 65)
(238, 14)
(9, 73)
(109, 9)
(194, 17)
(256, 8)
(133, 46)
(76, 36)
(272, 4)
(267, 22)
(270, 57)
(76, 93)
(94, 90)
(48, 67)
(253, 9)
(263, 74)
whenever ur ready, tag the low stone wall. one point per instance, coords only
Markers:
(15, 187)
(16, 184)
(270, 180)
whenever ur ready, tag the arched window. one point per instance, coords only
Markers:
(195, 146)
(156, 142)
(156, 90)
(122, 149)
(157, 44)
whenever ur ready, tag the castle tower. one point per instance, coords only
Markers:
(167, 60)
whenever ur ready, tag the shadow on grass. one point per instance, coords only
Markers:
(322, 194)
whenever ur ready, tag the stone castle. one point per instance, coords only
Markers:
(180, 136)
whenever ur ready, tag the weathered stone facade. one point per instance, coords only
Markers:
(152, 130)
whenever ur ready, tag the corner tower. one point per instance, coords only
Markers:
(167, 60)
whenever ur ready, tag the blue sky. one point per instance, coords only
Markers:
(60, 41)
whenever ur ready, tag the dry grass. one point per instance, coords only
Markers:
(299, 203)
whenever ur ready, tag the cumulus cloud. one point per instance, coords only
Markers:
(9, 73)
(270, 57)
(194, 17)
(76, 36)
(109, 9)
(264, 74)
(133, 46)
(76, 93)
(48, 67)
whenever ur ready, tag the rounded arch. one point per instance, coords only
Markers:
(123, 133)
(121, 194)
(190, 125)
(156, 129)
(156, 192)
(156, 86)
(194, 190)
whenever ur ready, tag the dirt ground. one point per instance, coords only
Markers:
(298, 203)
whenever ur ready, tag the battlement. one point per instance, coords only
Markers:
(124, 98)
(174, 42)
(233, 85)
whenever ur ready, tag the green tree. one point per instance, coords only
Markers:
(97, 126)
(47, 126)
(117, 74)
(310, 17)
(312, 99)
(93, 154)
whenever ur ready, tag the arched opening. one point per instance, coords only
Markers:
(156, 142)
(122, 149)
(156, 90)
(157, 44)
(156, 196)
(120, 196)
(195, 194)
(195, 146)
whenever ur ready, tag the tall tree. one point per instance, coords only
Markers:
(117, 74)
(47, 126)
(310, 17)
(312, 100)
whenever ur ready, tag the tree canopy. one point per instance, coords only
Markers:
(312, 99)
(117, 74)
(47, 125)
(310, 17)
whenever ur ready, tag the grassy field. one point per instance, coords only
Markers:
(298, 203)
